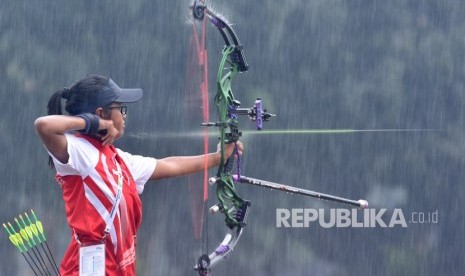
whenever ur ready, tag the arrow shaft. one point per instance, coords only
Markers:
(170, 135)
(54, 264)
(40, 260)
(32, 259)
(30, 265)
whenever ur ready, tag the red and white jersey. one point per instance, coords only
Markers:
(89, 182)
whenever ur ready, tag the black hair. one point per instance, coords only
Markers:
(77, 98)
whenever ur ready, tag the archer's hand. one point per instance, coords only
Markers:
(229, 148)
(109, 130)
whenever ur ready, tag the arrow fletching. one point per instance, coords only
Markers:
(39, 226)
(33, 228)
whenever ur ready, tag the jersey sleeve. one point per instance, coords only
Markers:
(141, 168)
(82, 156)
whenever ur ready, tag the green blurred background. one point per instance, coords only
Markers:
(361, 64)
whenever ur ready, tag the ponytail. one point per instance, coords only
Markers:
(54, 108)
(54, 104)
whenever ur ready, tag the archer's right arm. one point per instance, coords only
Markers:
(51, 130)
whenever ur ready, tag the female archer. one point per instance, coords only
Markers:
(100, 183)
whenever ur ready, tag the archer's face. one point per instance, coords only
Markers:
(117, 113)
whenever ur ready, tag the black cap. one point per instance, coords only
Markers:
(106, 95)
(113, 93)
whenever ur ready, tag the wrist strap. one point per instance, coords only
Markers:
(92, 123)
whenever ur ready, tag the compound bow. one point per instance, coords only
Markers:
(234, 207)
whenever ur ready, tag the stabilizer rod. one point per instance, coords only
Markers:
(361, 203)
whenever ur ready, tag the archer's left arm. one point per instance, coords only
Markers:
(181, 165)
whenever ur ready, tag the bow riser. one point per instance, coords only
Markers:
(226, 193)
